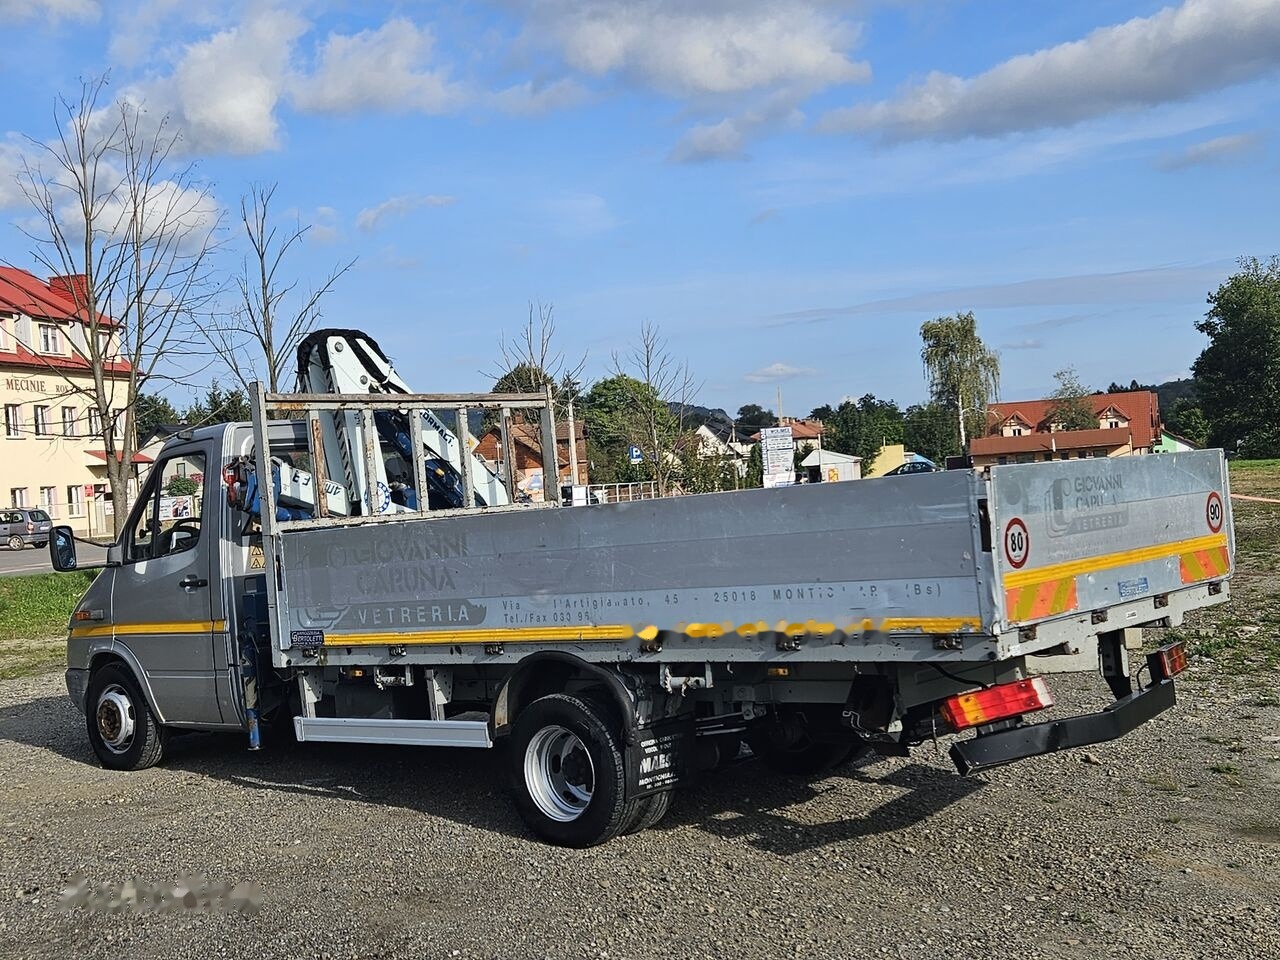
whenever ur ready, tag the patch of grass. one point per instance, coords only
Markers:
(1225, 769)
(1163, 784)
(33, 620)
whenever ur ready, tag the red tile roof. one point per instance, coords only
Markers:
(102, 455)
(1140, 407)
(22, 292)
(27, 293)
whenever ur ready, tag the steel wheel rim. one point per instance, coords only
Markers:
(115, 719)
(15, 543)
(559, 773)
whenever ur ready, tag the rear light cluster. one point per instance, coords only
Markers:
(1167, 662)
(1000, 702)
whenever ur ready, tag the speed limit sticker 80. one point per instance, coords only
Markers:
(1017, 543)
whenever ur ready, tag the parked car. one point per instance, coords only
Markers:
(19, 527)
(918, 465)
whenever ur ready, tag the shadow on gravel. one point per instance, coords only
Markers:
(469, 786)
(742, 806)
(49, 723)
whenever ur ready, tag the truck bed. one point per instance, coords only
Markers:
(945, 566)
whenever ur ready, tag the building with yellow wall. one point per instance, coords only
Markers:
(53, 453)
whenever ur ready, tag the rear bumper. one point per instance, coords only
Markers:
(1018, 743)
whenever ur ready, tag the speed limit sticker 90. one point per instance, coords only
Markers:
(1017, 544)
(1213, 511)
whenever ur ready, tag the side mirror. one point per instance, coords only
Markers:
(62, 549)
(62, 552)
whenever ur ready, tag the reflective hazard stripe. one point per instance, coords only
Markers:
(1045, 599)
(1204, 564)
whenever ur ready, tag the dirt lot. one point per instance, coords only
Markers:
(1164, 844)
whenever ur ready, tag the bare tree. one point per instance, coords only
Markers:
(533, 358)
(112, 207)
(660, 389)
(271, 316)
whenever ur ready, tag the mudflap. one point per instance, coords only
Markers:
(659, 757)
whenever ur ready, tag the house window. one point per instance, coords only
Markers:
(75, 500)
(5, 345)
(1016, 432)
(50, 338)
(42, 421)
(68, 421)
(12, 421)
(49, 500)
(117, 422)
(95, 422)
(18, 497)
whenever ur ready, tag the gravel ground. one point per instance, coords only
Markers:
(1164, 844)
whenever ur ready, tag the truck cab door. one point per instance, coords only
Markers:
(163, 602)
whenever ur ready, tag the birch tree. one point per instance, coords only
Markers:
(963, 374)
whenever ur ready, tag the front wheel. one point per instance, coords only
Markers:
(15, 543)
(122, 729)
(568, 773)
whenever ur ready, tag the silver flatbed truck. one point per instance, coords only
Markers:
(624, 648)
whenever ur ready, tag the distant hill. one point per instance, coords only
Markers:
(1168, 393)
(695, 416)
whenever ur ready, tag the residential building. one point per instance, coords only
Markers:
(55, 458)
(1173, 443)
(526, 442)
(1026, 431)
(719, 438)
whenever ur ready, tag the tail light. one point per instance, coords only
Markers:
(31, 527)
(1000, 702)
(1167, 662)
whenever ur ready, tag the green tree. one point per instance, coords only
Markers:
(755, 467)
(963, 374)
(1187, 420)
(1070, 405)
(219, 406)
(928, 429)
(616, 410)
(181, 487)
(823, 413)
(753, 417)
(150, 411)
(861, 428)
(1238, 373)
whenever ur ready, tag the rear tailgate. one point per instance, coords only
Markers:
(1073, 536)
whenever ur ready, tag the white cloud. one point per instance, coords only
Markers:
(531, 98)
(370, 218)
(1028, 344)
(728, 139)
(386, 68)
(579, 215)
(1217, 150)
(11, 195)
(225, 89)
(54, 10)
(701, 47)
(1179, 52)
(776, 373)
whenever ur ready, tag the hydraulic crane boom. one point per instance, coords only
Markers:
(350, 362)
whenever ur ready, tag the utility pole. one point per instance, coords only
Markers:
(573, 447)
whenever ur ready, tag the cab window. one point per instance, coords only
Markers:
(170, 520)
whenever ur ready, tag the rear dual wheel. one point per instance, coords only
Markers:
(569, 774)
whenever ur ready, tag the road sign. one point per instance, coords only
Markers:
(634, 455)
(1213, 511)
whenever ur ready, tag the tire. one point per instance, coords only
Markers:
(806, 758)
(649, 811)
(41, 544)
(568, 774)
(16, 543)
(122, 729)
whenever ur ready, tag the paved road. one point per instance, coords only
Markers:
(32, 560)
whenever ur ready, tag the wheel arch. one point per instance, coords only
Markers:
(119, 653)
(552, 671)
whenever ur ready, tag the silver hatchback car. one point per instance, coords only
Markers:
(20, 526)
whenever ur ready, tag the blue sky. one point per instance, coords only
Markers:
(787, 187)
